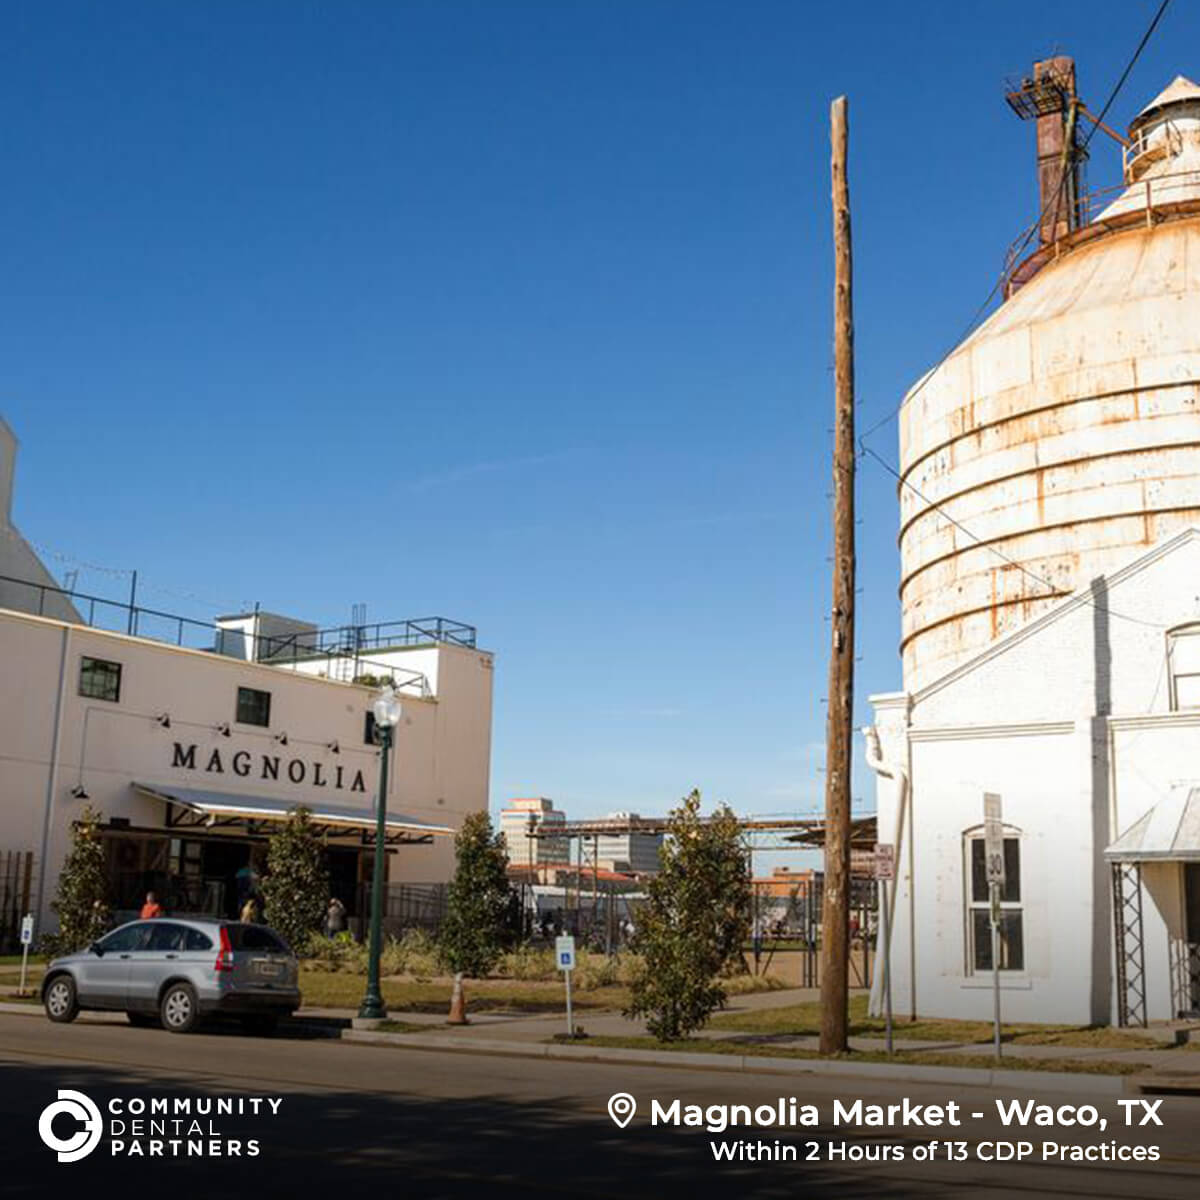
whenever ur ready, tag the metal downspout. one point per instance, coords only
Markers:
(52, 774)
(899, 774)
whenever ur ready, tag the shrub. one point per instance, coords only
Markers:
(81, 902)
(527, 963)
(691, 928)
(296, 887)
(481, 902)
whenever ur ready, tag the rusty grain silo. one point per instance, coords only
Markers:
(1064, 434)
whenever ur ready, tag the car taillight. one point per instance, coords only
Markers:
(225, 956)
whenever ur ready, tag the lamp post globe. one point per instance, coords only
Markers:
(387, 712)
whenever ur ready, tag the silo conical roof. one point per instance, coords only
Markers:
(1180, 89)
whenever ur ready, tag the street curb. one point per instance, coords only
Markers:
(1030, 1081)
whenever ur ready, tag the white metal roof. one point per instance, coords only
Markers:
(1178, 90)
(272, 808)
(1168, 832)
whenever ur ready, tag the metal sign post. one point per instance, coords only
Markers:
(26, 941)
(993, 853)
(564, 956)
(885, 872)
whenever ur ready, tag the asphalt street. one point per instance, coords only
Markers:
(431, 1124)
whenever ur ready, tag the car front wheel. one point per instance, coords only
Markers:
(178, 1010)
(60, 1000)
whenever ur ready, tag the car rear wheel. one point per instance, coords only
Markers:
(140, 1020)
(61, 1001)
(179, 1010)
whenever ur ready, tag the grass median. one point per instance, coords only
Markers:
(804, 1020)
(923, 1058)
(324, 990)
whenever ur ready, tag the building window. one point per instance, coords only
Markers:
(369, 730)
(253, 707)
(979, 914)
(1183, 666)
(100, 680)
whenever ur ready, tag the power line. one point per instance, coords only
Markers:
(865, 450)
(1003, 557)
(1052, 202)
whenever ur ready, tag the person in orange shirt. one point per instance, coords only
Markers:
(151, 908)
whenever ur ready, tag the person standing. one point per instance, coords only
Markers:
(250, 911)
(335, 918)
(151, 908)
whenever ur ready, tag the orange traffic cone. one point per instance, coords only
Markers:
(458, 1003)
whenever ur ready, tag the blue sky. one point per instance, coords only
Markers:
(517, 313)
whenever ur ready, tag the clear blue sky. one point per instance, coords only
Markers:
(517, 313)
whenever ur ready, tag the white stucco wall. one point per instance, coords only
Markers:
(440, 766)
(1069, 721)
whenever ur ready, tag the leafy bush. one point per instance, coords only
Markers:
(595, 971)
(691, 928)
(413, 953)
(296, 887)
(81, 903)
(482, 904)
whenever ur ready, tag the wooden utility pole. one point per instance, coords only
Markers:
(835, 917)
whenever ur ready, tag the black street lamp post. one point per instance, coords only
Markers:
(387, 715)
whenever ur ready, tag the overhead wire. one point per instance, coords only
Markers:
(933, 506)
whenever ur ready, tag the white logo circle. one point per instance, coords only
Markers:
(83, 1141)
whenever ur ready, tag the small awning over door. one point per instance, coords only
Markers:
(1168, 832)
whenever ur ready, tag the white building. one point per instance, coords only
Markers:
(1050, 552)
(192, 755)
(520, 820)
(624, 850)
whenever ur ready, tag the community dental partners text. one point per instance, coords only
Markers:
(1037, 1129)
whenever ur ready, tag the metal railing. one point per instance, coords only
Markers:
(341, 648)
(1156, 193)
(352, 639)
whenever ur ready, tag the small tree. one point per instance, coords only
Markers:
(82, 899)
(479, 914)
(296, 885)
(693, 924)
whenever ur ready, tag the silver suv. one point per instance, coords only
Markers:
(176, 972)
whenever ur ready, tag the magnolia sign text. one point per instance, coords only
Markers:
(269, 766)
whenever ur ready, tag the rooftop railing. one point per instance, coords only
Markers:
(342, 648)
(353, 639)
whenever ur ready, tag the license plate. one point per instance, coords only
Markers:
(268, 968)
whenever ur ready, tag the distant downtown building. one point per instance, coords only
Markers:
(518, 822)
(626, 852)
(193, 741)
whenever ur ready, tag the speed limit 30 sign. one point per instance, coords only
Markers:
(993, 838)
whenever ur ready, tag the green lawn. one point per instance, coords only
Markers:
(324, 989)
(919, 1058)
(804, 1020)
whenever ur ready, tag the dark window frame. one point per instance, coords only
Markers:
(98, 677)
(978, 906)
(250, 715)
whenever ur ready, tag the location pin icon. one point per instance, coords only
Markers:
(621, 1107)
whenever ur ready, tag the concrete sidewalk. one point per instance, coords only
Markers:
(521, 1033)
(1171, 1067)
